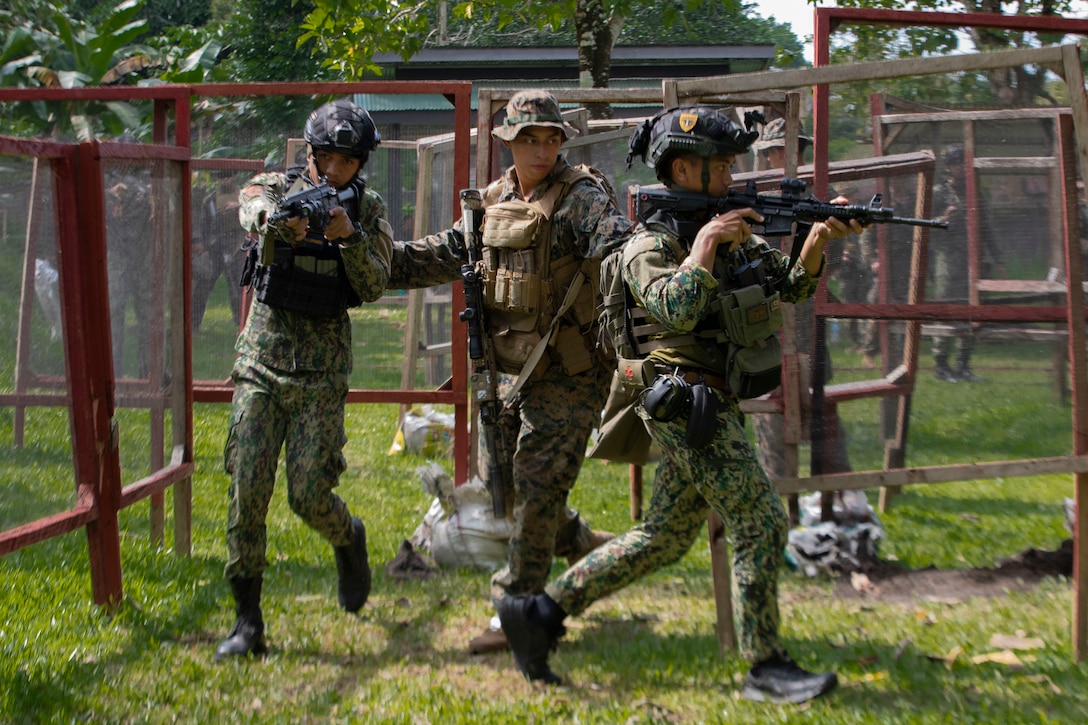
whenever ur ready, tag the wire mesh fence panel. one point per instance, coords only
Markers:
(36, 471)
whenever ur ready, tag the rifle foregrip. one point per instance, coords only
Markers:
(495, 483)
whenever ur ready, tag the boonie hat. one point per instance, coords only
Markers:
(532, 108)
(774, 134)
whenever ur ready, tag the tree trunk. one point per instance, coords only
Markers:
(596, 28)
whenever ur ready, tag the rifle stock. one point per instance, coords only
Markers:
(485, 373)
(779, 211)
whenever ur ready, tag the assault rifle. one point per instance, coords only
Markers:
(314, 203)
(485, 372)
(779, 211)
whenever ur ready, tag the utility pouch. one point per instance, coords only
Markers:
(755, 370)
(514, 275)
(748, 315)
(512, 349)
(702, 416)
(584, 308)
(512, 224)
(569, 347)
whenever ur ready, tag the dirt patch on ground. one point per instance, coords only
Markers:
(887, 582)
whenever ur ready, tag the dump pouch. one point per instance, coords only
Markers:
(622, 434)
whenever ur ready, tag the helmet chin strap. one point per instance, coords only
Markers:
(706, 174)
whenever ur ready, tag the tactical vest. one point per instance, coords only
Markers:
(743, 317)
(524, 286)
(308, 277)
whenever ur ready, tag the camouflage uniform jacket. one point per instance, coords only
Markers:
(294, 342)
(678, 291)
(585, 224)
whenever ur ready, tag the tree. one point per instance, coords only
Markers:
(593, 26)
(52, 50)
(1016, 87)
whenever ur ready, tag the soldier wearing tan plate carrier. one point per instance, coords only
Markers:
(681, 270)
(546, 225)
(294, 356)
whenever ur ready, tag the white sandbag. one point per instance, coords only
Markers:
(459, 530)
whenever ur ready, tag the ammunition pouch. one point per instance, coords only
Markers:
(309, 284)
(509, 231)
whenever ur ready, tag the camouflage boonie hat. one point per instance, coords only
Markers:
(532, 108)
(774, 134)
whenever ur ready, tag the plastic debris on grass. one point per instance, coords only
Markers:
(843, 544)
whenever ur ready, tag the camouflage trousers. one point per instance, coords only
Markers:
(950, 284)
(302, 413)
(129, 274)
(548, 427)
(724, 476)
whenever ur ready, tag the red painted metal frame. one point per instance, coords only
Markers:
(79, 209)
(76, 172)
(826, 21)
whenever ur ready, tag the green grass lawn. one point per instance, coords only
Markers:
(645, 655)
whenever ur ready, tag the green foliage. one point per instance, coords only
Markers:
(57, 51)
(348, 34)
(405, 28)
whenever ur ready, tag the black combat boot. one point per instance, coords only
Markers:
(963, 371)
(353, 570)
(247, 635)
(779, 679)
(533, 624)
(942, 371)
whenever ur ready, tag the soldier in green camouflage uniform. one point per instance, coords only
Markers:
(672, 269)
(291, 376)
(549, 422)
(950, 274)
(128, 266)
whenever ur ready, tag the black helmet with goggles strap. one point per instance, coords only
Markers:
(343, 127)
(701, 130)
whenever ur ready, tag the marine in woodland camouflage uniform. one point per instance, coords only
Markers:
(549, 422)
(291, 375)
(675, 279)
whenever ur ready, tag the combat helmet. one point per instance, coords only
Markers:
(700, 130)
(343, 127)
